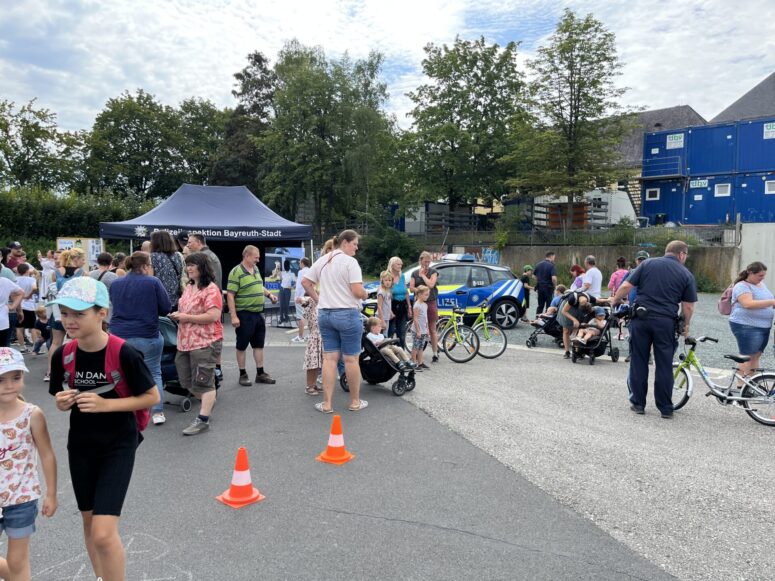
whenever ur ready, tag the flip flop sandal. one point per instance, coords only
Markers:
(362, 404)
(320, 408)
(311, 390)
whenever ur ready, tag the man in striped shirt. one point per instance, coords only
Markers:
(245, 297)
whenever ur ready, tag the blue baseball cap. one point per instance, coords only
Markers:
(82, 293)
(599, 311)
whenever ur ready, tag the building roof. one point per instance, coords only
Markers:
(758, 102)
(656, 120)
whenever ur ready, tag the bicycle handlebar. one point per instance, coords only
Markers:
(691, 341)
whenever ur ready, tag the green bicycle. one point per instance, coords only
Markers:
(492, 338)
(459, 341)
(757, 396)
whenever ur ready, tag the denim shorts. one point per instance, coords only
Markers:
(18, 520)
(341, 330)
(750, 339)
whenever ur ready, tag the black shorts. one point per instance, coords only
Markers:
(29, 320)
(101, 478)
(251, 330)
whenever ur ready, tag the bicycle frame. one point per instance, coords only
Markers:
(691, 361)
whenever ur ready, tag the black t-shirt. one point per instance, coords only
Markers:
(525, 279)
(419, 281)
(45, 330)
(102, 429)
(544, 271)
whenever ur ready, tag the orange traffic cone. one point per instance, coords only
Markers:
(241, 492)
(336, 453)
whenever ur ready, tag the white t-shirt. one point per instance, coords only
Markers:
(287, 279)
(335, 272)
(26, 283)
(6, 288)
(300, 289)
(595, 279)
(376, 339)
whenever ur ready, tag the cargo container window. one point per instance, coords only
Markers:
(723, 190)
(652, 194)
(769, 187)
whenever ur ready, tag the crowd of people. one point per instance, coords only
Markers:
(101, 332)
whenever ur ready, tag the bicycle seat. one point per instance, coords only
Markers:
(738, 358)
(459, 311)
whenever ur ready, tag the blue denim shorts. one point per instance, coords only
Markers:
(341, 330)
(750, 339)
(18, 520)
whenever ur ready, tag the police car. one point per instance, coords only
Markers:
(466, 284)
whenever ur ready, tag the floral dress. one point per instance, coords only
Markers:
(313, 356)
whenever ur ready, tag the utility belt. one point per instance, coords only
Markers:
(640, 312)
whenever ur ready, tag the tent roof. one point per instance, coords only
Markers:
(216, 212)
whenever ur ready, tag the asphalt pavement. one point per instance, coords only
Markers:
(420, 501)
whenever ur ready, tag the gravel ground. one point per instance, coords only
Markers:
(706, 321)
(684, 493)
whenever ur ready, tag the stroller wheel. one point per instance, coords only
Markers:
(185, 404)
(410, 382)
(529, 342)
(399, 387)
(343, 382)
(591, 359)
(574, 356)
(614, 354)
(533, 341)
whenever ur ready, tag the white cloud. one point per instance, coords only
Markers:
(74, 55)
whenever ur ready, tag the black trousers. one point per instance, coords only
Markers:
(544, 298)
(658, 332)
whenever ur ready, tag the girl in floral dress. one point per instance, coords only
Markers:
(313, 356)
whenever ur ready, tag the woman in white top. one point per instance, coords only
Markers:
(287, 280)
(339, 317)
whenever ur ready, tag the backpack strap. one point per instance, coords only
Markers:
(68, 363)
(113, 365)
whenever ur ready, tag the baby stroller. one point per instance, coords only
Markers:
(597, 346)
(376, 368)
(169, 373)
(550, 327)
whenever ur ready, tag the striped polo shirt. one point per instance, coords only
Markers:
(248, 289)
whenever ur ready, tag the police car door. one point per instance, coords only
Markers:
(453, 287)
(478, 285)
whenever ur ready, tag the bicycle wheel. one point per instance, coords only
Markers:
(763, 388)
(441, 323)
(492, 340)
(463, 350)
(681, 383)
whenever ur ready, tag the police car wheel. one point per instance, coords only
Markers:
(505, 314)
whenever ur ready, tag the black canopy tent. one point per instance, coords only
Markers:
(228, 218)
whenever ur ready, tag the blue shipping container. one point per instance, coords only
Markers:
(664, 153)
(755, 197)
(712, 150)
(756, 146)
(710, 200)
(662, 201)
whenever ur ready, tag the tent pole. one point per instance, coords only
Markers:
(131, 246)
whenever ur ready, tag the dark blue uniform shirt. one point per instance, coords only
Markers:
(663, 283)
(544, 271)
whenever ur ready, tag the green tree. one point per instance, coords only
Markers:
(461, 120)
(134, 148)
(33, 151)
(201, 132)
(570, 144)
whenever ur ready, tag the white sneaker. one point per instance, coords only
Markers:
(298, 339)
(158, 418)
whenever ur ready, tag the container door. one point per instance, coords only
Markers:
(712, 150)
(757, 146)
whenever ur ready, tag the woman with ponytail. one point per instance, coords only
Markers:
(752, 314)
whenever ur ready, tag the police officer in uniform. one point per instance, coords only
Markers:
(663, 284)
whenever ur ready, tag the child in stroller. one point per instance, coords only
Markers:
(546, 323)
(394, 353)
(377, 368)
(594, 337)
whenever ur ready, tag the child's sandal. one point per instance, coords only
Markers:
(312, 390)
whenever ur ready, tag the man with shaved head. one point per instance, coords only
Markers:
(245, 297)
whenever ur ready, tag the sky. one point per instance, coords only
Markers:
(74, 55)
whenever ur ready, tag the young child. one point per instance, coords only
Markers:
(393, 352)
(420, 334)
(104, 432)
(527, 273)
(593, 328)
(551, 311)
(41, 332)
(385, 299)
(23, 438)
(313, 354)
(26, 280)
